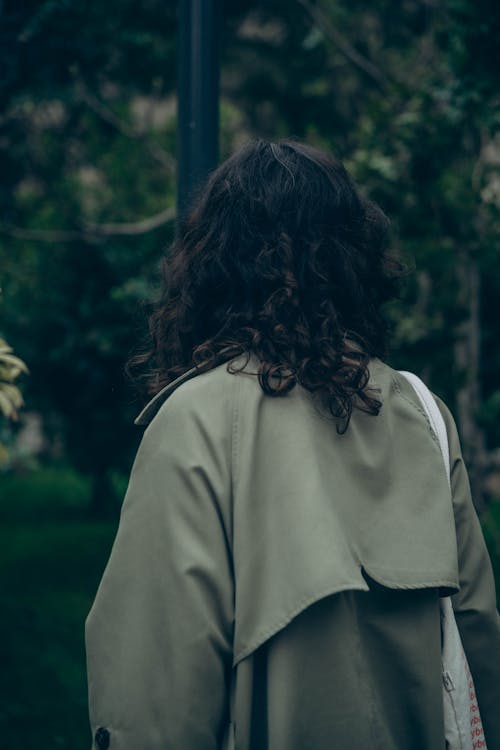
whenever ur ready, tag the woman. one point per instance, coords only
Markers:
(287, 530)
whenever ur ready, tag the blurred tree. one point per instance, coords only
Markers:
(87, 195)
(406, 94)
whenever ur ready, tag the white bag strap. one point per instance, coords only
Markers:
(460, 706)
(434, 415)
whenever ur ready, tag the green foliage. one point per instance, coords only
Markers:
(10, 395)
(403, 93)
(80, 146)
(10, 369)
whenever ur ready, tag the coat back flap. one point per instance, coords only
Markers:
(316, 512)
(313, 512)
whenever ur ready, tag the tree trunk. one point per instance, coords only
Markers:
(467, 349)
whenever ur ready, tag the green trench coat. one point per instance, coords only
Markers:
(274, 585)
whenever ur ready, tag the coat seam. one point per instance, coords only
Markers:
(235, 432)
(374, 729)
(234, 477)
(440, 580)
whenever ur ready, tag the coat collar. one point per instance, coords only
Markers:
(153, 406)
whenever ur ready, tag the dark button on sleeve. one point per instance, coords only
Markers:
(101, 738)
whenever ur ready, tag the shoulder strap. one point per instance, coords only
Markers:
(435, 416)
(459, 702)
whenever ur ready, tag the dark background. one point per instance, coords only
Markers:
(405, 93)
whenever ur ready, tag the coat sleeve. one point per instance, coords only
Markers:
(159, 634)
(475, 604)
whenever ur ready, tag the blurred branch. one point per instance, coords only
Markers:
(107, 115)
(325, 24)
(92, 231)
(138, 227)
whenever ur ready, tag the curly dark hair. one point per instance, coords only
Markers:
(279, 254)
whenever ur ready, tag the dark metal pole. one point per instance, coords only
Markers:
(198, 95)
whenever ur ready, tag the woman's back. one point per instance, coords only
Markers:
(299, 569)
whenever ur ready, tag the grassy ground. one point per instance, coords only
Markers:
(51, 561)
